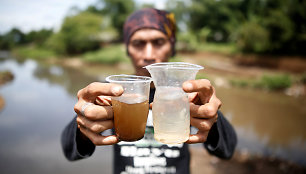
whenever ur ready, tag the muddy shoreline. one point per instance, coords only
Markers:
(5, 77)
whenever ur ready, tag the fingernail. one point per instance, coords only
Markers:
(188, 86)
(116, 90)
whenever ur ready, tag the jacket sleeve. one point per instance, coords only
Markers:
(222, 138)
(75, 147)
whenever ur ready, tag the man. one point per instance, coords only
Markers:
(149, 35)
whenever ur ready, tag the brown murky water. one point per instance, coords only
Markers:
(40, 100)
(268, 123)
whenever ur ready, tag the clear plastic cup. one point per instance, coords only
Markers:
(171, 115)
(132, 107)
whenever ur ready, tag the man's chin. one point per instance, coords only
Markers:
(143, 72)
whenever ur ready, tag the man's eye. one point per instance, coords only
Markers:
(138, 43)
(158, 42)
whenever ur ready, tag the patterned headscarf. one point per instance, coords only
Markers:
(151, 18)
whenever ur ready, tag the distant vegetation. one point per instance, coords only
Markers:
(230, 26)
(110, 55)
(269, 82)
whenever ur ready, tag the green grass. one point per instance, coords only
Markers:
(240, 83)
(108, 55)
(202, 76)
(175, 59)
(33, 52)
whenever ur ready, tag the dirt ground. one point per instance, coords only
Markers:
(202, 162)
(246, 65)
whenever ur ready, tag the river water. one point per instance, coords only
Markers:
(40, 101)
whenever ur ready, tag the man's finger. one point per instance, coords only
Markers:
(202, 86)
(95, 126)
(98, 139)
(207, 110)
(203, 124)
(197, 85)
(94, 112)
(93, 90)
(200, 137)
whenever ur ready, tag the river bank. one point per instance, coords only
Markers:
(5, 77)
(241, 163)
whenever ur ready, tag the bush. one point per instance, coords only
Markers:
(240, 83)
(251, 37)
(276, 82)
(33, 52)
(77, 34)
(186, 42)
(108, 55)
(203, 34)
(270, 82)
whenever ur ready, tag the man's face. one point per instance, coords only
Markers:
(148, 46)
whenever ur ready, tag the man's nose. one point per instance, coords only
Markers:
(149, 53)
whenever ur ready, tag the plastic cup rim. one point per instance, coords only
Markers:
(175, 65)
(129, 79)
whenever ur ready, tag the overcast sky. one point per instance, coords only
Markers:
(30, 15)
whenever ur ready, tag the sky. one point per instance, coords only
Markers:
(28, 15)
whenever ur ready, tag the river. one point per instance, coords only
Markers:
(40, 101)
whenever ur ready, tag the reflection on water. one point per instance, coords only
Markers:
(40, 100)
(39, 103)
(267, 123)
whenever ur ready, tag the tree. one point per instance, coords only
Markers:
(77, 34)
(118, 11)
(11, 39)
(220, 17)
(181, 13)
(38, 37)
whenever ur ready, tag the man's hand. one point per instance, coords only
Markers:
(94, 111)
(203, 108)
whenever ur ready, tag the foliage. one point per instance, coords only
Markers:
(117, 11)
(38, 37)
(203, 34)
(269, 82)
(15, 38)
(225, 48)
(221, 17)
(108, 55)
(259, 26)
(181, 13)
(186, 42)
(277, 82)
(77, 34)
(11, 39)
(240, 83)
(33, 52)
(251, 37)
